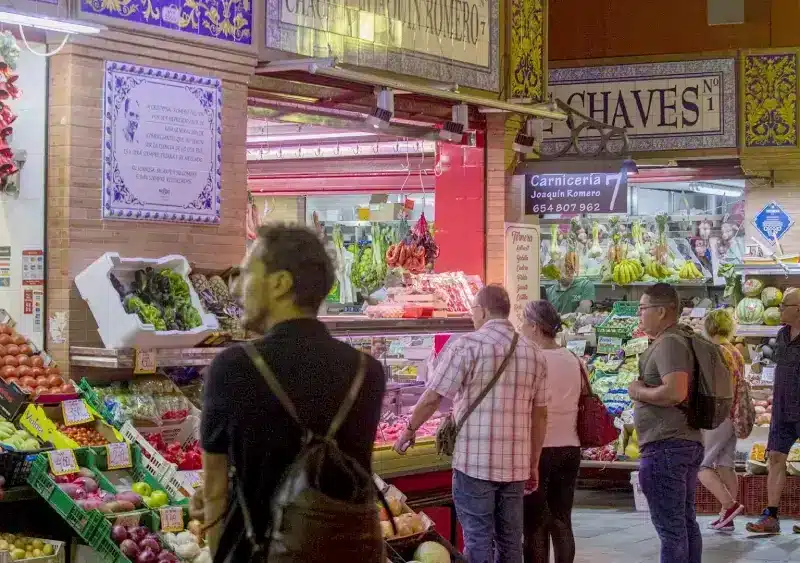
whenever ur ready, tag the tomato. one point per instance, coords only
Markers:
(23, 360)
(11, 361)
(37, 362)
(55, 381)
(12, 349)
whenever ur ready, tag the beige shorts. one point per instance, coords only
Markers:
(720, 445)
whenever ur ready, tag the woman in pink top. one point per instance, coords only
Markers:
(548, 510)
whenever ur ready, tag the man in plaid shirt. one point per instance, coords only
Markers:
(498, 448)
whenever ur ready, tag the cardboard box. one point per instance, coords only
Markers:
(386, 212)
(42, 422)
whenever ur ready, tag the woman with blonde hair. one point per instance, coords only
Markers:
(717, 472)
(548, 510)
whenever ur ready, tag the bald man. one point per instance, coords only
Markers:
(784, 429)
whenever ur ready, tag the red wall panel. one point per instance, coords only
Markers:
(461, 209)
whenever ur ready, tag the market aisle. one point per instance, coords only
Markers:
(620, 536)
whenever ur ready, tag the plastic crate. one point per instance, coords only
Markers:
(153, 462)
(16, 466)
(626, 308)
(705, 502)
(137, 471)
(90, 396)
(605, 329)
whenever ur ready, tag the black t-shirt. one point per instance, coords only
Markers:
(243, 420)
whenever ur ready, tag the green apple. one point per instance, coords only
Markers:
(159, 499)
(142, 489)
(148, 502)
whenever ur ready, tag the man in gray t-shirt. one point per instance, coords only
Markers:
(671, 450)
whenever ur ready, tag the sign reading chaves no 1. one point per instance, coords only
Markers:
(455, 29)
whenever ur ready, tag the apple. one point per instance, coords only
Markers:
(158, 499)
(142, 489)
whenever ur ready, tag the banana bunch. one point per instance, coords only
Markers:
(657, 270)
(690, 272)
(627, 271)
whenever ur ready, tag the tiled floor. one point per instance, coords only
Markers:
(618, 535)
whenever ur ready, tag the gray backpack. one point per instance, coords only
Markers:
(711, 390)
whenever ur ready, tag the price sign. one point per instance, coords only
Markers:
(62, 462)
(192, 479)
(75, 412)
(130, 519)
(697, 313)
(171, 519)
(145, 362)
(636, 346)
(577, 347)
(119, 455)
(768, 375)
(608, 344)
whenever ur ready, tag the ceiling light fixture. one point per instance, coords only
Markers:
(525, 139)
(381, 116)
(12, 17)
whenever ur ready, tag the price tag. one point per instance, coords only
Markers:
(118, 455)
(636, 346)
(192, 479)
(145, 362)
(608, 344)
(130, 519)
(577, 347)
(75, 412)
(171, 519)
(768, 375)
(697, 313)
(62, 462)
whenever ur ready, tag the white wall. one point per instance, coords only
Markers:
(22, 224)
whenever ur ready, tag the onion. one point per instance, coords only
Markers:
(146, 556)
(119, 534)
(151, 544)
(87, 483)
(168, 557)
(137, 533)
(129, 549)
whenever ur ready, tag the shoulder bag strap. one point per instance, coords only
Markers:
(491, 384)
(586, 387)
(350, 398)
(272, 381)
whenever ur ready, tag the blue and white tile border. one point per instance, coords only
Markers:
(117, 201)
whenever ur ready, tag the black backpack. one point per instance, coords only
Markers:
(307, 524)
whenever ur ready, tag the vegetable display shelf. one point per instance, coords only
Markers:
(757, 331)
(786, 269)
(111, 358)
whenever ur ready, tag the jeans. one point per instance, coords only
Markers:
(548, 510)
(668, 476)
(490, 514)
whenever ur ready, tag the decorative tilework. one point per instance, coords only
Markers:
(228, 20)
(526, 50)
(770, 100)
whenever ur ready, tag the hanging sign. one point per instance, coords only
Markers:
(663, 106)
(772, 222)
(598, 192)
(522, 267)
(162, 141)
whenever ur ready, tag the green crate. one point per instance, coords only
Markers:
(626, 308)
(625, 334)
(137, 471)
(92, 398)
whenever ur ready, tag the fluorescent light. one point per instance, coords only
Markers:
(47, 23)
(309, 137)
(733, 192)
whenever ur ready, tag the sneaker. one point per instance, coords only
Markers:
(726, 517)
(766, 524)
(796, 529)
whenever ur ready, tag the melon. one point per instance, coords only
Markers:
(752, 287)
(750, 311)
(772, 316)
(771, 297)
(432, 552)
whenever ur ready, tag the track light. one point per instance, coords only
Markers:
(453, 131)
(381, 116)
(526, 138)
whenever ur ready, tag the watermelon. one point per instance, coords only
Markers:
(772, 316)
(752, 287)
(771, 297)
(750, 311)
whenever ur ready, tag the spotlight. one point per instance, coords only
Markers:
(381, 116)
(526, 137)
(453, 130)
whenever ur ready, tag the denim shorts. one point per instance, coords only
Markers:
(720, 445)
(782, 435)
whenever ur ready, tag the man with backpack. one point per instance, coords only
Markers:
(497, 382)
(784, 428)
(291, 417)
(671, 449)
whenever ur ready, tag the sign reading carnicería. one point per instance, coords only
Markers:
(447, 40)
(662, 106)
(576, 193)
(161, 145)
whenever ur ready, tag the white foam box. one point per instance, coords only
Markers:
(119, 329)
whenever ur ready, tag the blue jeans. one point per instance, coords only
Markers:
(668, 476)
(490, 514)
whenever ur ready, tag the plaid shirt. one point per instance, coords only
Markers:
(786, 390)
(495, 442)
